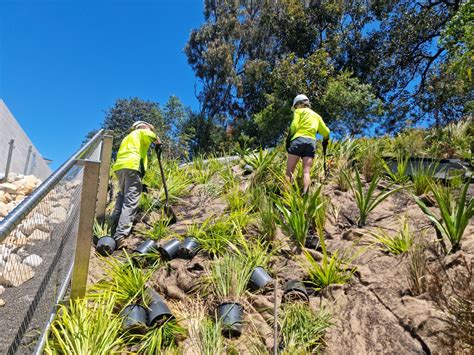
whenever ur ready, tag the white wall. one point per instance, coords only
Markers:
(11, 129)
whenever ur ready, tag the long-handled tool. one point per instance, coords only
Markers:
(325, 147)
(168, 210)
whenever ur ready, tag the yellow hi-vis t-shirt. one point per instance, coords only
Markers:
(307, 123)
(134, 148)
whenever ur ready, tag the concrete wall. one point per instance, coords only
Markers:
(11, 129)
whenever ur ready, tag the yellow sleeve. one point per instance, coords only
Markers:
(322, 128)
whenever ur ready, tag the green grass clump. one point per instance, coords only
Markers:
(400, 175)
(422, 179)
(160, 228)
(302, 329)
(84, 327)
(366, 199)
(455, 214)
(399, 243)
(159, 339)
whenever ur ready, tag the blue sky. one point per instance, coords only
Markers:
(63, 62)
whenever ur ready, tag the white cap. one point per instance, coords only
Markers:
(137, 124)
(299, 98)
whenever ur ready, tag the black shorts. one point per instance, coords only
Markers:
(302, 147)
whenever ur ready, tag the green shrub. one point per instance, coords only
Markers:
(400, 243)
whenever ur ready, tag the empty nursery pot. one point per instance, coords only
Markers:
(259, 278)
(147, 247)
(106, 246)
(158, 311)
(169, 250)
(248, 169)
(295, 290)
(231, 316)
(134, 319)
(189, 248)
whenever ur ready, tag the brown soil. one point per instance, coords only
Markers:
(374, 313)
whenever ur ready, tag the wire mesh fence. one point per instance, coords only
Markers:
(35, 260)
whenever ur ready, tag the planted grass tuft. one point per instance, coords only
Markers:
(399, 243)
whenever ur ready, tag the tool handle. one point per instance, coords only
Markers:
(159, 150)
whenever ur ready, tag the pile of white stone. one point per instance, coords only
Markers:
(16, 264)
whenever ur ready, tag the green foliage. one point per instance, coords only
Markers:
(236, 199)
(332, 270)
(147, 203)
(366, 199)
(266, 216)
(158, 339)
(302, 329)
(297, 212)
(84, 327)
(228, 278)
(262, 161)
(124, 281)
(255, 252)
(101, 229)
(422, 178)
(455, 215)
(399, 243)
(160, 228)
(399, 176)
(201, 172)
(416, 268)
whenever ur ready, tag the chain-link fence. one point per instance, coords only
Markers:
(37, 256)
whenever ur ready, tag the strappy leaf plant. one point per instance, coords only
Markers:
(302, 329)
(101, 229)
(367, 199)
(297, 212)
(84, 327)
(454, 214)
(160, 228)
(422, 178)
(160, 339)
(399, 243)
(399, 176)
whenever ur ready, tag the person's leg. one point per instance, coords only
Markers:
(114, 218)
(131, 198)
(290, 166)
(307, 163)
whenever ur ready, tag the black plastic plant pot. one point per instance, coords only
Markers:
(106, 246)
(189, 248)
(147, 247)
(248, 169)
(158, 311)
(134, 319)
(259, 278)
(169, 250)
(231, 315)
(295, 290)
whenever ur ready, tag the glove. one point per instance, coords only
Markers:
(158, 148)
(325, 145)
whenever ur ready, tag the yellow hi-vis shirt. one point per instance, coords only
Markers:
(134, 148)
(307, 123)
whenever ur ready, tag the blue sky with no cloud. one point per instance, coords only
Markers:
(63, 62)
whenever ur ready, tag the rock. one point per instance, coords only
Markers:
(3, 209)
(4, 252)
(2, 197)
(58, 215)
(39, 235)
(15, 274)
(2, 303)
(14, 258)
(9, 188)
(35, 221)
(2, 289)
(28, 184)
(33, 260)
(352, 234)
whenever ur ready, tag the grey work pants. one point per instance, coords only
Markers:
(126, 205)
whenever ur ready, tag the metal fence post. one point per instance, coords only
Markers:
(9, 160)
(27, 160)
(105, 158)
(86, 222)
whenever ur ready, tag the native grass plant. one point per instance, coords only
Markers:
(229, 178)
(369, 161)
(263, 162)
(205, 336)
(228, 278)
(399, 176)
(266, 217)
(147, 203)
(422, 178)
(201, 171)
(302, 329)
(416, 269)
(85, 327)
(237, 200)
(296, 212)
(455, 214)
(334, 269)
(124, 280)
(160, 339)
(256, 252)
(366, 199)
(101, 229)
(159, 229)
(399, 243)
(177, 182)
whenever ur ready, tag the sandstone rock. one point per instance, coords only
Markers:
(28, 184)
(19, 198)
(3, 209)
(4, 252)
(2, 197)
(2, 303)
(2, 289)
(8, 187)
(14, 258)
(35, 221)
(39, 235)
(15, 274)
(58, 215)
(33, 260)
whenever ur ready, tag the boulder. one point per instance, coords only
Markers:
(33, 260)
(2, 289)
(15, 274)
(35, 221)
(2, 303)
(39, 235)
(58, 215)
(8, 187)
(4, 252)
(3, 209)
(28, 184)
